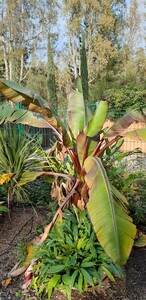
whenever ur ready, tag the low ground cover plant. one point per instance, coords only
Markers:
(71, 258)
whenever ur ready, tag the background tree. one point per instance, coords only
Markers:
(101, 37)
(116, 61)
(22, 39)
(36, 79)
(84, 70)
(19, 36)
(51, 83)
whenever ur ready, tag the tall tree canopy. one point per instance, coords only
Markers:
(100, 22)
(111, 57)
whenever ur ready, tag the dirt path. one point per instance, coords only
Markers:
(22, 224)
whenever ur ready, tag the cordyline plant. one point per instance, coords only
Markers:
(85, 142)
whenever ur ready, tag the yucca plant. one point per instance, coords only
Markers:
(86, 143)
(20, 161)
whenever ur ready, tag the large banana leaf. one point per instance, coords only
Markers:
(29, 176)
(17, 93)
(126, 121)
(77, 113)
(139, 134)
(10, 114)
(97, 120)
(114, 228)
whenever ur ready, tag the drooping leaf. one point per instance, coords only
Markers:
(126, 121)
(18, 93)
(98, 119)
(139, 134)
(113, 227)
(11, 114)
(28, 176)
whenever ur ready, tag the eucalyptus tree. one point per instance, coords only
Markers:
(134, 26)
(21, 38)
(100, 22)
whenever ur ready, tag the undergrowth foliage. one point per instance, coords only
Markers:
(71, 258)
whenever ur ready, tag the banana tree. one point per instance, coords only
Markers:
(86, 142)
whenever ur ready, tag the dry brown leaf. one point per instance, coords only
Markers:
(6, 282)
(81, 204)
(84, 193)
(30, 253)
(17, 272)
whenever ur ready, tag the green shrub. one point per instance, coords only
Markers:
(137, 204)
(38, 192)
(122, 98)
(71, 258)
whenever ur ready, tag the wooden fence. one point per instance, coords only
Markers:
(131, 144)
(128, 145)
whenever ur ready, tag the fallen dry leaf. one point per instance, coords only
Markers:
(6, 282)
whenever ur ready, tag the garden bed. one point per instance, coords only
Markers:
(21, 225)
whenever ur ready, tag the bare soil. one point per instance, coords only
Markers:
(21, 224)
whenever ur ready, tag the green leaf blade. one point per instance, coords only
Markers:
(19, 94)
(76, 112)
(124, 122)
(139, 134)
(96, 123)
(114, 228)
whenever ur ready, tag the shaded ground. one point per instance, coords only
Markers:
(22, 225)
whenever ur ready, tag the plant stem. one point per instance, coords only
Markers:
(97, 147)
(74, 159)
(85, 150)
(57, 214)
(107, 145)
(69, 177)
